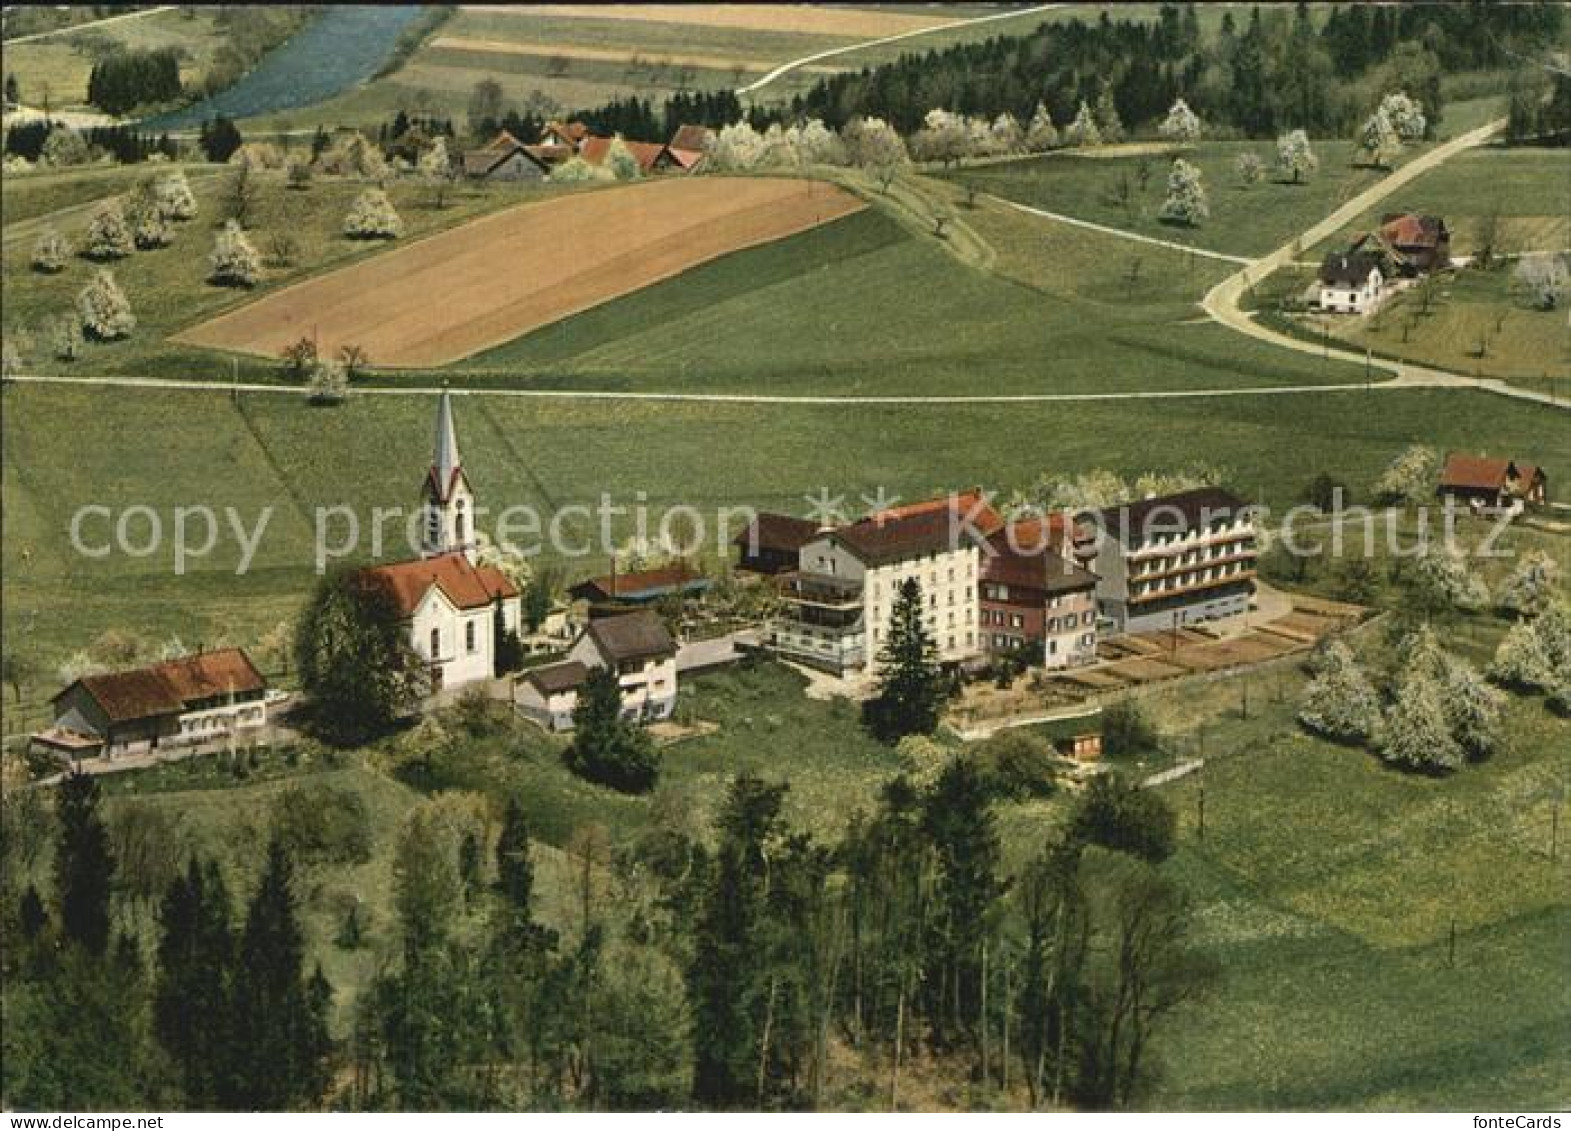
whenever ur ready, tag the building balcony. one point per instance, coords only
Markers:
(1190, 590)
(820, 590)
(1244, 555)
(1191, 541)
(825, 649)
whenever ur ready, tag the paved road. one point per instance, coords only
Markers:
(90, 24)
(1222, 301)
(787, 68)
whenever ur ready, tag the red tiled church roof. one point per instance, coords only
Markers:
(466, 585)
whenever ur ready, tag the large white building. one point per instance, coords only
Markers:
(454, 606)
(838, 601)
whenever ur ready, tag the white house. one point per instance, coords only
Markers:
(634, 645)
(453, 605)
(837, 603)
(1351, 282)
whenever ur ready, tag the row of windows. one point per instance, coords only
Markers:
(471, 640)
(1176, 537)
(1193, 557)
(1183, 581)
(1061, 624)
(1001, 618)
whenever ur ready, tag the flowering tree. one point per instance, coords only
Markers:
(328, 383)
(233, 261)
(436, 170)
(1405, 115)
(1440, 581)
(109, 236)
(1544, 278)
(1294, 156)
(51, 252)
(1083, 130)
(620, 160)
(873, 144)
(104, 309)
(1535, 655)
(1415, 735)
(1181, 123)
(373, 217)
(1250, 168)
(174, 195)
(150, 226)
(63, 147)
(1186, 195)
(1378, 140)
(1532, 586)
(817, 144)
(575, 170)
(65, 339)
(1340, 702)
(1410, 478)
(1108, 123)
(1005, 135)
(1041, 134)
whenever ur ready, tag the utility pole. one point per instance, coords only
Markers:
(1200, 813)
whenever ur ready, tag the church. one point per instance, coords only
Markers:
(455, 607)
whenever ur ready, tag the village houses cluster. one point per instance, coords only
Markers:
(1042, 590)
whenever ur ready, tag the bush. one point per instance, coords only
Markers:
(1127, 731)
(323, 825)
(1018, 763)
(1117, 814)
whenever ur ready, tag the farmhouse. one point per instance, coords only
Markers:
(688, 145)
(651, 156)
(1416, 242)
(1492, 484)
(569, 134)
(771, 544)
(641, 587)
(200, 698)
(1174, 560)
(1351, 282)
(838, 600)
(1034, 596)
(454, 608)
(634, 645)
(517, 163)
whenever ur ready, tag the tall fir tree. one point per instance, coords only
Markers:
(910, 684)
(281, 1014)
(84, 864)
(191, 1004)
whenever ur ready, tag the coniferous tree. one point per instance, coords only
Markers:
(280, 1012)
(910, 685)
(84, 865)
(607, 748)
(191, 1004)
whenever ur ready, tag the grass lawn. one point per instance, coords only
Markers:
(1527, 189)
(1244, 221)
(55, 70)
(865, 306)
(32, 195)
(1326, 887)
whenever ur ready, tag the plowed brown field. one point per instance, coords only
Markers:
(454, 294)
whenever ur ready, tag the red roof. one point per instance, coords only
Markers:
(166, 688)
(641, 583)
(1412, 229)
(572, 132)
(971, 503)
(692, 139)
(466, 585)
(1483, 473)
(595, 150)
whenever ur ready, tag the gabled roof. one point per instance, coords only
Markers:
(482, 162)
(782, 533)
(502, 141)
(166, 688)
(1170, 514)
(642, 584)
(595, 150)
(571, 132)
(1483, 473)
(694, 139)
(1348, 268)
(1413, 229)
(548, 155)
(554, 678)
(631, 636)
(466, 585)
(971, 502)
(1045, 571)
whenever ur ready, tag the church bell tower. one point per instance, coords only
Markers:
(448, 522)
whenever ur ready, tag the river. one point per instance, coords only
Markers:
(339, 49)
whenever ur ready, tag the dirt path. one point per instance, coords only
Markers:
(1222, 301)
(1119, 232)
(818, 56)
(39, 35)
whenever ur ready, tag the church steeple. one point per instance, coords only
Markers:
(449, 503)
